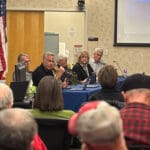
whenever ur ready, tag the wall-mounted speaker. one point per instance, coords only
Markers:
(81, 4)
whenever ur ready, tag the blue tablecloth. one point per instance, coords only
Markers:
(73, 99)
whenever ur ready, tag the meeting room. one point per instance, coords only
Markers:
(58, 56)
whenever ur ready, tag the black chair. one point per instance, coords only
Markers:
(54, 133)
(138, 147)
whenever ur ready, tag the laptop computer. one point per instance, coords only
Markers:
(19, 90)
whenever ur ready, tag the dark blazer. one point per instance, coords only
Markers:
(81, 74)
(39, 73)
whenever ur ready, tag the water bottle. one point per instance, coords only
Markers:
(93, 78)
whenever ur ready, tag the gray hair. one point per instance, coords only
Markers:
(17, 128)
(61, 57)
(48, 53)
(6, 96)
(20, 57)
(99, 50)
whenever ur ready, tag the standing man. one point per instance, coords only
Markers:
(136, 113)
(96, 62)
(47, 67)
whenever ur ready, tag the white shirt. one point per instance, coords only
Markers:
(97, 66)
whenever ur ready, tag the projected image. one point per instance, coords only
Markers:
(133, 21)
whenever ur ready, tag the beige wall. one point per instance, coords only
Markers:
(69, 26)
(100, 23)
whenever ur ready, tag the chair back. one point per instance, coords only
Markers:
(54, 133)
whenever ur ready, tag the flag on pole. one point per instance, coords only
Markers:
(2, 38)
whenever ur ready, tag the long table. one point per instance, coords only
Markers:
(73, 99)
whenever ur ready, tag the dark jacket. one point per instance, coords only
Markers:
(81, 74)
(112, 96)
(39, 73)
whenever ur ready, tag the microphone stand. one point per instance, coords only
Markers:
(118, 67)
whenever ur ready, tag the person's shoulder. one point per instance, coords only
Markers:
(103, 63)
(77, 65)
(94, 96)
(39, 68)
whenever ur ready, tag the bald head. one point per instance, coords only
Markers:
(6, 96)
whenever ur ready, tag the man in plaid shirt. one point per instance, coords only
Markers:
(136, 113)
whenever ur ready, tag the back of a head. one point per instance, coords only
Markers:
(96, 123)
(17, 128)
(107, 76)
(49, 95)
(6, 96)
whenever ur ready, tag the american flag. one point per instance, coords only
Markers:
(2, 38)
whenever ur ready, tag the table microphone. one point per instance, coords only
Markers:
(118, 67)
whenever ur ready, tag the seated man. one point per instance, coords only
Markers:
(136, 113)
(47, 68)
(62, 61)
(99, 126)
(96, 62)
(17, 128)
(23, 62)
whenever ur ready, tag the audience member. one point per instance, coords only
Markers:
(17, 128)
(47, 67)
(6, 101)
(136, 113)
(107, 77)
(49, 100)
(96, 62)
(62, 61)
(82, 68)
(99, 126)
(23, 61)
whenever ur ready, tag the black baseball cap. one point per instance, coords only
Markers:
(136, 81)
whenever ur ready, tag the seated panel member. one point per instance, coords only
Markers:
(97, 62)
(62, 61)
(82, 68)
(23, 62)
(47, 67)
